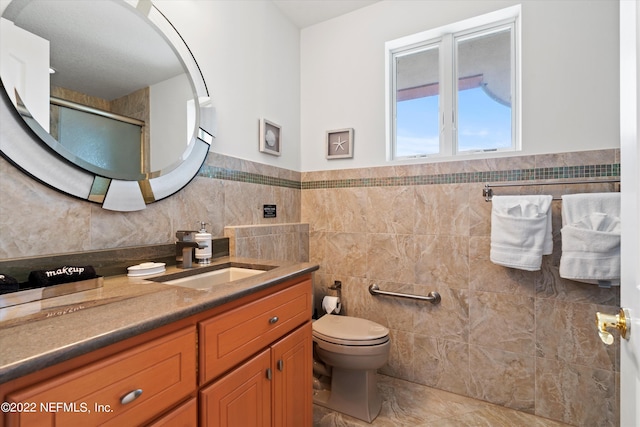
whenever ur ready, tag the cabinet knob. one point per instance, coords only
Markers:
(273, 320)
(131, 396)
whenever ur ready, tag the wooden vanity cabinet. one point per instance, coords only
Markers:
(245, 363)
(272, 387)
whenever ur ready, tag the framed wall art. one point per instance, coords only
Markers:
(339, 144)
(270, 137)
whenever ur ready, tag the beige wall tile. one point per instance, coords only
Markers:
(575, 394)
(442, 260)
(390, 210)
(390, 257)
(442, 210)
(448, 320)
(345, 254)
(502, 321)
(487, 276)
(502, 377)
(442, 364)
(565, 333)
(346, 210)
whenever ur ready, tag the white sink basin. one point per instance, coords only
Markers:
(212, 278)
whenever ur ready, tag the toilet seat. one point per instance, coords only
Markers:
(353, 343)
(349, 331)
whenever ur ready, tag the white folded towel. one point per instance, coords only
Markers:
(591, 238)
(521, 231)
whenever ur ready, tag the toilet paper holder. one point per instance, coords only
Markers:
(337, 286)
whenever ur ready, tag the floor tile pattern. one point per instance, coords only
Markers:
(412, 405)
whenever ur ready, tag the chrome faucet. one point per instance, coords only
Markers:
(185, 245)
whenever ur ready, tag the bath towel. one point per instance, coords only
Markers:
(521, 231)
(591, 238)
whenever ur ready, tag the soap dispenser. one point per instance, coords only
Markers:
(203, 255)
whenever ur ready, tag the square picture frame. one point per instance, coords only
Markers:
(270, 137)
(339, 144)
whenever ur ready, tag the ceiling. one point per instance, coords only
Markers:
(98, 48)
(78, 61)
(304, 13)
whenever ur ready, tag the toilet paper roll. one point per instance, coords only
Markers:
(331, 305)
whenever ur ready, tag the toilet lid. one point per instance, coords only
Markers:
(349, 328)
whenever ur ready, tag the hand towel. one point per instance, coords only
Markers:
(591, 238)
(521, 231)
(57, 276)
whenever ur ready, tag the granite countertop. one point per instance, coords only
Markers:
(42, 334)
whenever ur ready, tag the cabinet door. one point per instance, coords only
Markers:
(186, 415)
(240, 398)
(292, 385)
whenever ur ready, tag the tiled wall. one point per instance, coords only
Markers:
(289, 242)
(36, 220)
(525, 340)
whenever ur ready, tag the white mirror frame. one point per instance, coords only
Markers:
(34, 158)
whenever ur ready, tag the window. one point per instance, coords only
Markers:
(453, 90)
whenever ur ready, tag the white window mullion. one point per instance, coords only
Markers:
(446, 103)
(516, 109)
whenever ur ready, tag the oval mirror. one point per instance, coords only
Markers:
(116, 107)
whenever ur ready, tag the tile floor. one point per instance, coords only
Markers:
(410, 404)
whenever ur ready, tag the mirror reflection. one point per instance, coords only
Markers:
(102, 81)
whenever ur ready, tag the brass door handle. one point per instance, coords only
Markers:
(617, 321)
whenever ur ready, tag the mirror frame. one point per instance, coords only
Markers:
(35, 158)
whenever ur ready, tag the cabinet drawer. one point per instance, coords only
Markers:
(229, 338)
(163, 369)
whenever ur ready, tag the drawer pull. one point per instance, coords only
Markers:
(273, 320)
(280, 365)
(131, 396)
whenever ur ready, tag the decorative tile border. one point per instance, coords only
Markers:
(533, 174)
(556, 173)
(248, 177)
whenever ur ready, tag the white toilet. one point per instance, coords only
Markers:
(352, 350)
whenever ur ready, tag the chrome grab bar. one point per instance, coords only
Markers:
(433, 297)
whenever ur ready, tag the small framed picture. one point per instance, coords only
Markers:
(270, 137)
(339, 144)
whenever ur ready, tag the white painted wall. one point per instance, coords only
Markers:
(570, 74)
(24, 66)
(168, 116)
(249, 54)
(253, 58)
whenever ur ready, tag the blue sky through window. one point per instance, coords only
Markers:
(417, 127)
(483, 124)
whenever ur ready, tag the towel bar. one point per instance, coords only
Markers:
(487, 191)
(433, 297)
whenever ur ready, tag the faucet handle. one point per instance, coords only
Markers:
(186, 235)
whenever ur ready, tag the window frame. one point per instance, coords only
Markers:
(445, 39)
